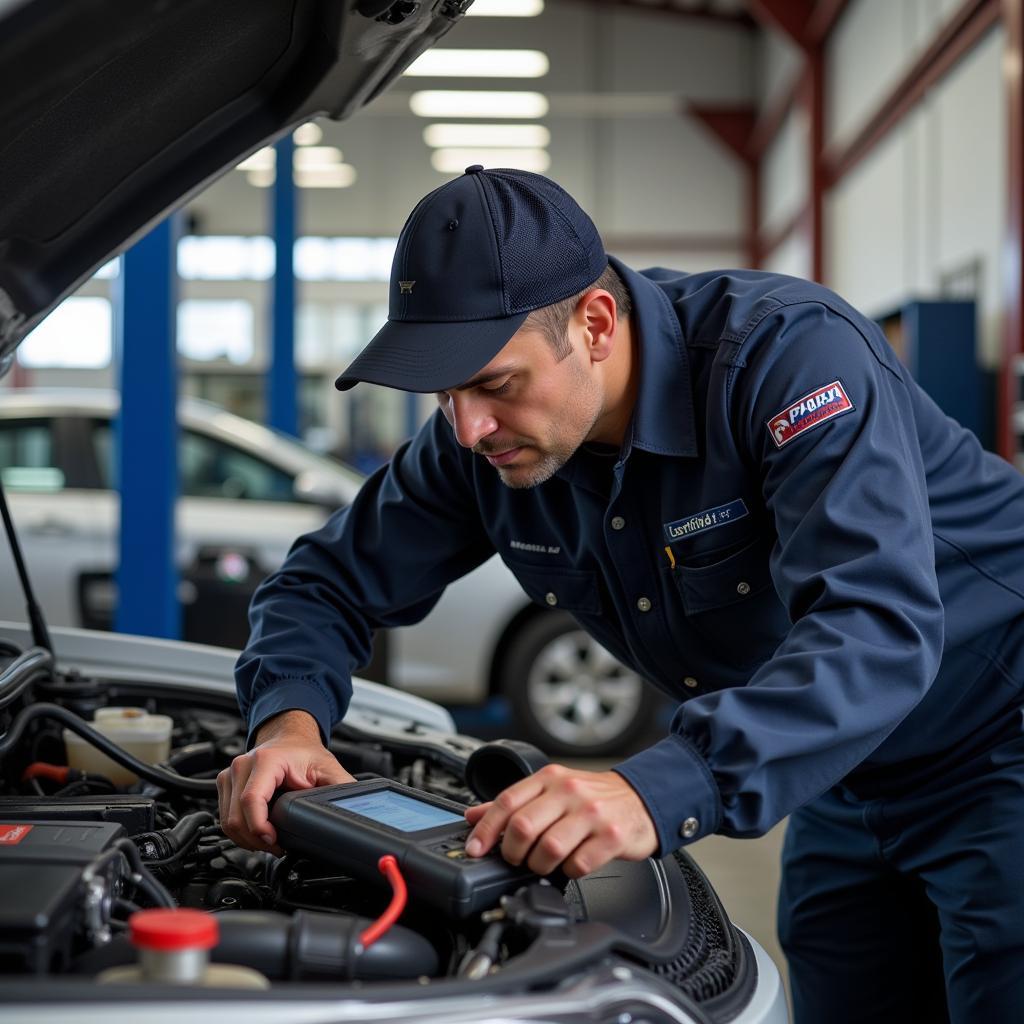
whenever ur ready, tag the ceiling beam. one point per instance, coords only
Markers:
(790, 17)
(732, 126)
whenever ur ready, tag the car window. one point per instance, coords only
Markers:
(212, 469)
(208, 468)
(27, 460)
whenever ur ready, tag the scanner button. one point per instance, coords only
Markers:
(459, 853)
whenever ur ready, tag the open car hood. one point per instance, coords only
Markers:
(115, 112)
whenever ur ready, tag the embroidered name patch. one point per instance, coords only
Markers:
(810, 411)
(706, 520)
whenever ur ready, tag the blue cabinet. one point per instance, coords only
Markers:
(936, 340)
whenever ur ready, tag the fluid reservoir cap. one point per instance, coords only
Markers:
(172, 930)
(496, 766)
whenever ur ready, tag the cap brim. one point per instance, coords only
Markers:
(425, 357)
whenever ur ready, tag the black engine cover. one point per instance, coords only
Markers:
(42, 909)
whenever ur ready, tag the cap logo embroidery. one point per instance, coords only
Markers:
(813, 409)
(406, 287)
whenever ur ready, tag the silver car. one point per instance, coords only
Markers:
(246, 493)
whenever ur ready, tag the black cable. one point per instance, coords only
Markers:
(151, 773)
(40, 635)
(142, 879)
(29, 667)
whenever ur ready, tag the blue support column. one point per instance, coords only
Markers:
(283, 384)
(146, 435)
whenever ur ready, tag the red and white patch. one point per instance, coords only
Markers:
(11, 835)
(815, 408)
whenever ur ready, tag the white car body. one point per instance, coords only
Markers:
(68, 531)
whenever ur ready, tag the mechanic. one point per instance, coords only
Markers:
(733, 484)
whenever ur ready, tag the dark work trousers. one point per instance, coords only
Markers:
(909, 907)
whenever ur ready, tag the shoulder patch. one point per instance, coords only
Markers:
(813, 409)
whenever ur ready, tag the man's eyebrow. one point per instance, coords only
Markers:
(484, 378)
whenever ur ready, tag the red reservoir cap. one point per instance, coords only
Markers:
(172, 930)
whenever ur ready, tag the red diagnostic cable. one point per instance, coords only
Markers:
(42, 770)
(388, 867)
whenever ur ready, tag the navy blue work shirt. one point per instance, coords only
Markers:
(793, 541)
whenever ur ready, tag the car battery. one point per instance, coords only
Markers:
(44, 912)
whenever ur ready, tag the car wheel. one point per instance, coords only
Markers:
(569, 696)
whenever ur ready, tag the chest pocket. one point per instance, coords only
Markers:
(572, 590)
(732, 604)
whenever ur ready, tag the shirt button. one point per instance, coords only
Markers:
(690, 828)
(690, 682)
(618, 523)
(644, 604)
(743, 588)
(551, 599)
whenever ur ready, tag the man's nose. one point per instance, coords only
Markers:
(471, 419)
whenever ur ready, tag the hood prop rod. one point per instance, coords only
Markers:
(40, 634)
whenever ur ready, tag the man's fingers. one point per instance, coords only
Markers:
(477, 811)
(556, 844)
(266, 776)
(526, 826)
(487, 830)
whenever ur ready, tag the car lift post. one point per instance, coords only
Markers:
(146, 434)
(283, 384)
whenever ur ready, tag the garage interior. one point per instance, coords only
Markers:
(874, 146)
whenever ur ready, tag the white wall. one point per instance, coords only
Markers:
(928, 205)
(930, 201)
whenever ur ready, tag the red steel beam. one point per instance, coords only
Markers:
(791, 17)
(961, 33)
(814, 104)
(734, 128)
(824, 19)
(773, 117)
(1013, 284)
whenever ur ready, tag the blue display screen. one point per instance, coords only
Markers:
(398, 811)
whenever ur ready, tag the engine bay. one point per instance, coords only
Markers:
(80, 854)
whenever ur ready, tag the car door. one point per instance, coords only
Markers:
(236, 518)
(65, 525)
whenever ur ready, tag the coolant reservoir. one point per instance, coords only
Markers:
(146, 736)
(174, 949)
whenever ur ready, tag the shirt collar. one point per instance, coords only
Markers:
(663, 420)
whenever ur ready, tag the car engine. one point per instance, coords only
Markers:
(81, 853)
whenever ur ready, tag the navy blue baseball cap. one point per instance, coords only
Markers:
(474, 258)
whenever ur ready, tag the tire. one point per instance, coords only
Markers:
(568, 695)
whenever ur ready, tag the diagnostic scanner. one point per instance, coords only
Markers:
(354, 824)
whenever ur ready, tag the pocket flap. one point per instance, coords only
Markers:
(574, 590)
(733, 579)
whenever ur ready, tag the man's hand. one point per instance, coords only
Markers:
(559, 816)
(288, 754)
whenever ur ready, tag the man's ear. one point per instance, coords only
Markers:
(599, 315)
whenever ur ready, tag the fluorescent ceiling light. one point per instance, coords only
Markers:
(338, 176)
(446, 63)
(506, 8)
(262, 160)
(464, 103)
(439, 136)
(454, 161)
(308, 134)
(310, 158)
(260, 177)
